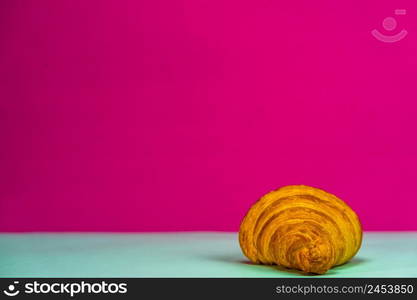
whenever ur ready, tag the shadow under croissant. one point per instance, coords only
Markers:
(334, 270)
(352, 263)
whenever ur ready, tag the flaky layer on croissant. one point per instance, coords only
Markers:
(300, 227)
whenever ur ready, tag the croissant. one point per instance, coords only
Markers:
(300, 227)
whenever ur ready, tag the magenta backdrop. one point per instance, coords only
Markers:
(177, 115)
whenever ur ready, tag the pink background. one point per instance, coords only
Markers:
(177, 115)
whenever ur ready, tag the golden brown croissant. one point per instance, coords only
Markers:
(300, 227)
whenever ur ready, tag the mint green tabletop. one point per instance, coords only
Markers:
(182, 255)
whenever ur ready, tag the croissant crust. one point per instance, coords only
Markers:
(300, 227)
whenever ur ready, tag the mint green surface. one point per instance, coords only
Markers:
(181, 255)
